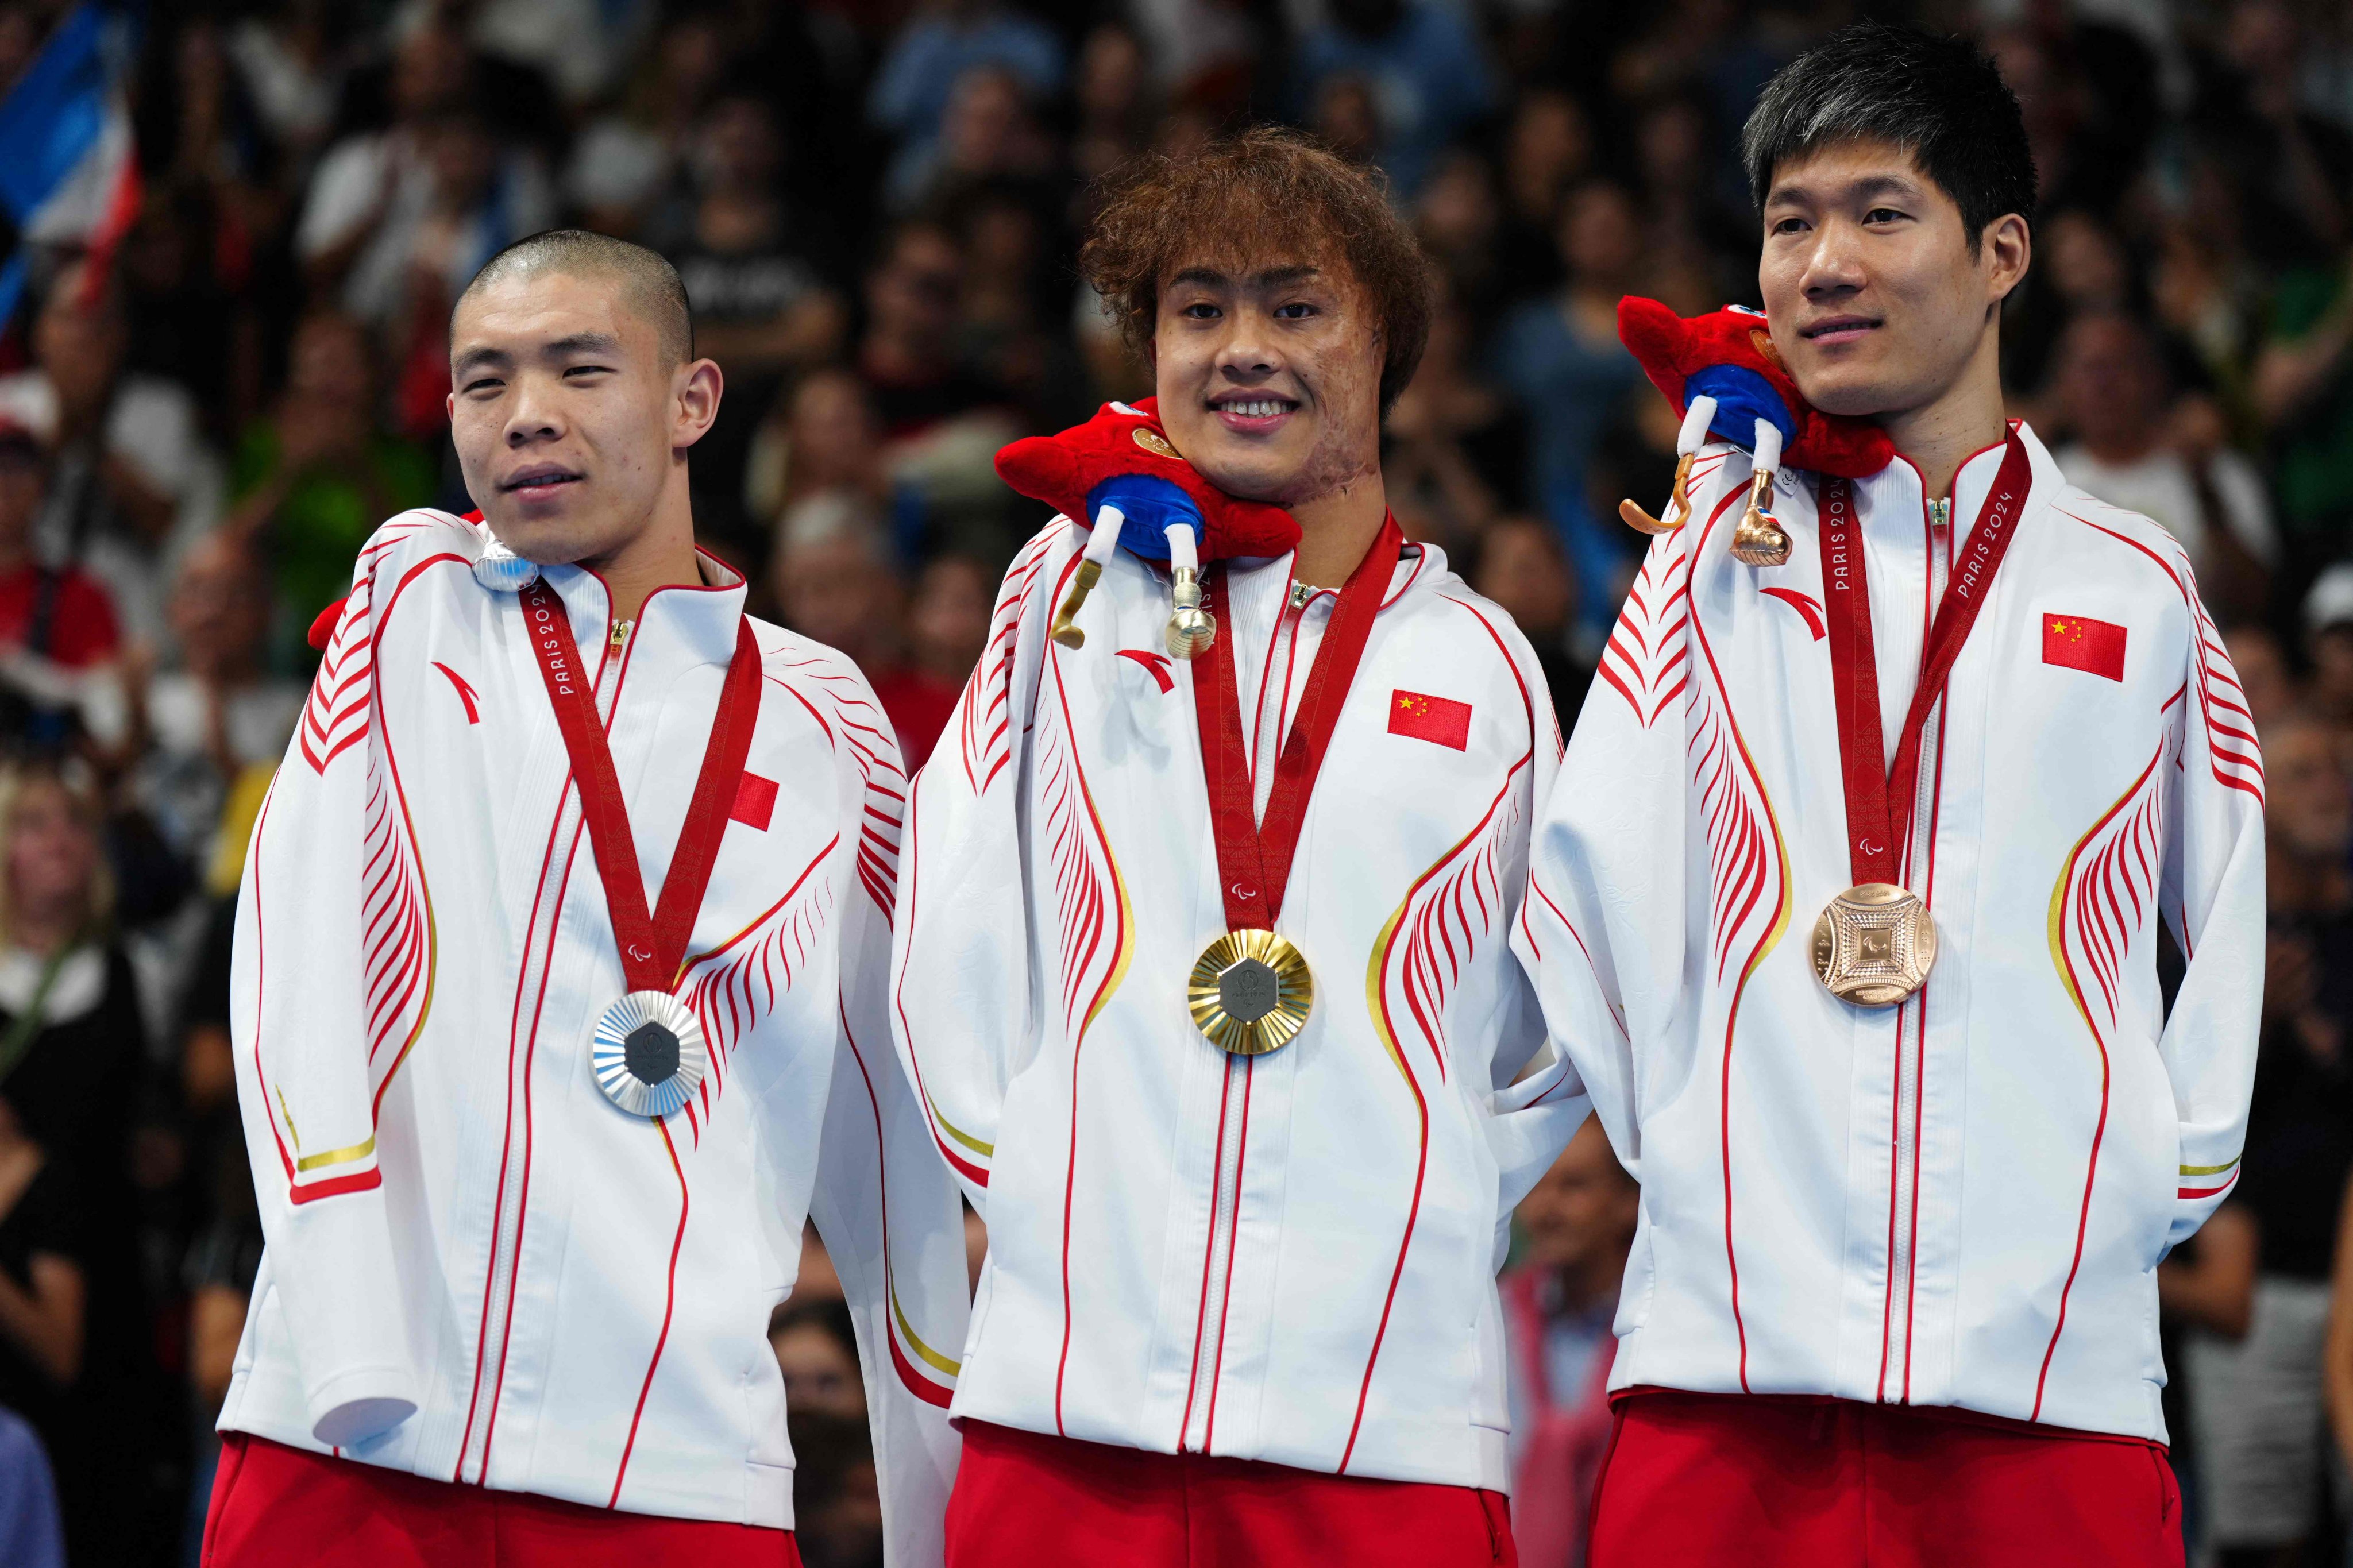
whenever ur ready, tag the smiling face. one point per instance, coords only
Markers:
(569, 417)
(1878, 299)
(1269, 380)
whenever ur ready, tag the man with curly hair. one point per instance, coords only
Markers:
(1280, 835)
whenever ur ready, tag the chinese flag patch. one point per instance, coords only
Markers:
(2079, 642)
(756, 801)
(1441, 721)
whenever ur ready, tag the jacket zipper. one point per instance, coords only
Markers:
(1907, 1091)
(1225, 1190)
(509, 1234)
(1225, 1212)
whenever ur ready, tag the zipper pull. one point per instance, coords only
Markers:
(619, 638)
(1942, 512)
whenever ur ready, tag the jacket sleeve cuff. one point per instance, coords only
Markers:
(363, 1403)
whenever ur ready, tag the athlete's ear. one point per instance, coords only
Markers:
(695, 394)
(2007, 248)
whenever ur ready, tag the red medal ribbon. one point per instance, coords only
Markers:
(1254, 858)
(652, 946)
(1879, 802)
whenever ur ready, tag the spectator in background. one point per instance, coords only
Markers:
(817, 1351)
(72, 1061)
(908, 357)
(1112, 96)
(988, 134)
(823, 437)
(2328, 644)
(397, 221)
(1457, 450)
(760, 279)
(31, 1534)
(1547, 151)
(1457, 218)
(289, 56)
(943, 418)
(626, 160)
(948, 620)
(316, 477)
(837, 1507)
(1562, 357)
(2261, 1426)
(918, 75)
(835, 579)
(1518, 564)
(1421, 66)
(187, 736)
(2080, 269)
(2302, 389)
(57, 616)
(130, 476)
(44, 1292)
(1692, 233)
(762, 286)
(2132, 450)
(1559, 1303)
(2261, 665)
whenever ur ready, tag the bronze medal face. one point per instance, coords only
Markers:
(1874, 945)
(1250, 991)
(1151, 441)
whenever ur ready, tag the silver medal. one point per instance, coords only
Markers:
(650, 1054)
(502, 571)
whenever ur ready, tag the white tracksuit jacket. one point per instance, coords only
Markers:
(1962, 1202)
(575, 1301)
(1289, 1258)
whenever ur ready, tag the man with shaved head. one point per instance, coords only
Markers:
(559, 1009)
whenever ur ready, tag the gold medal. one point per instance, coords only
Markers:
(1250, 991)
(1874, 944)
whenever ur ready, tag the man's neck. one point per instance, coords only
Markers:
(660, 556)
(1941, 434)
(1336, 528)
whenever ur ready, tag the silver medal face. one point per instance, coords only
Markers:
(650, 1054)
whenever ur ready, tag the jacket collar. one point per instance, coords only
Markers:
(681, 625)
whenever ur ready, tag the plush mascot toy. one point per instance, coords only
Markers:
(1723, 375)
(1117, 475)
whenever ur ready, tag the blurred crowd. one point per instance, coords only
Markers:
(875, 206)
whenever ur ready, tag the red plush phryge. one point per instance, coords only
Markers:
(1727, 356)
(1125, 441)
(1119, 469)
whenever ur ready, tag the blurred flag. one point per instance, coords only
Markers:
(69, 170)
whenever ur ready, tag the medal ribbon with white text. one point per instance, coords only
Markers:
(1879, 801)
(1254, 857)
(651, 946)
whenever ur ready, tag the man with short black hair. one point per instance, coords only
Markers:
(1846, 908)
(557, 1005)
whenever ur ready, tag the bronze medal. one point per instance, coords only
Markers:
(1874, 944)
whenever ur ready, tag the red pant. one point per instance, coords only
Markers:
(1023, 1499)
(276, 1507)
(1771, 1482)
